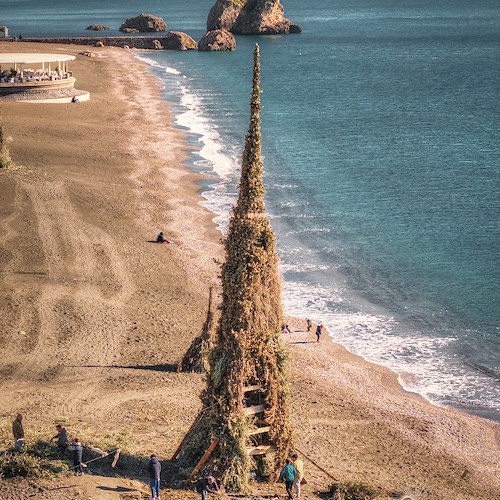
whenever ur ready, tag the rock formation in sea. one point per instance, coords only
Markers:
(217, 40)
(177, 40)
(223, 14)
(250, 17)
(144, 23)
(97, 27)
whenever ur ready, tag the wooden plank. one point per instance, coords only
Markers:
(203, 459)
(259, 430)
(253, 410)
(250, 388)
(179, 448)
(263, 449)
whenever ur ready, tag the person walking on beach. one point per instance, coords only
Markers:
(154, 468)
(299, 466)
(309, 324)
(77, 448)
(18, 432)
(319, 331)
(206, 485)
(62, 439)
(288, 473)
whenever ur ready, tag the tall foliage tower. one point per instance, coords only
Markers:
(245, 403)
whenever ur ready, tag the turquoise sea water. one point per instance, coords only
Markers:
(380, 128)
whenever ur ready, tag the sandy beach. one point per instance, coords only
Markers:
(94, 316)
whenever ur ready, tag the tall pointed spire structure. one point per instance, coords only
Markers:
(245, 407)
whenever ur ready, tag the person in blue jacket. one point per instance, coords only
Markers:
(154, 469)
(288, 473)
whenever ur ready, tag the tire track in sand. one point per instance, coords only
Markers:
(86, 276)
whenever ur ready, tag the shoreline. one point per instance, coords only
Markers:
(219, 220)
(128, 179)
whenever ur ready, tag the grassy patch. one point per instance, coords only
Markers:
(351, 491)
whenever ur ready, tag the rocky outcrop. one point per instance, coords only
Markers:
(144, 23)
(223, 14)
(97, 27)
(130, 30)
(217, 40)
(263, 17)
(176, 40)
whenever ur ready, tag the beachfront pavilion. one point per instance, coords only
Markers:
(38, 77)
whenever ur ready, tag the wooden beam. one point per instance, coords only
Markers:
(263, 449)
(258, 430)
(253, 410)
(179, 448)
(250, 388)
(203, 459)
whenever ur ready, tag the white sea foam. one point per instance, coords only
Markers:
(149, 61)
(211, 143)
(172, 71)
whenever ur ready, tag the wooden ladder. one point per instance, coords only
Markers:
(263, 428)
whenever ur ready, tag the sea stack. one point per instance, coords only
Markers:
(250, 17)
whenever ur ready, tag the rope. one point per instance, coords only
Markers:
(97, 458)
(317, 465)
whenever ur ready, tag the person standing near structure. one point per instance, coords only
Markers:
(206, 485)
(77, 448)
(309, 324)
(18, 432)
(319, 331)
(299, 466)
(154, 468)
(288, 473)
(62, 439)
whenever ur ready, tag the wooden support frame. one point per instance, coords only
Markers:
(183, 442)
(253, 410)
(251, 388)
(203, 459)
(263, 449)
(258, 430)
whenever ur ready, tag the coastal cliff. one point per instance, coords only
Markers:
(250, 17)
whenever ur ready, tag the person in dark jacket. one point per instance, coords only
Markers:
(154, 468)
(319, 331)
(18, 432)
(206, 485)
(288, 473)
(62, 439)
(77, 448)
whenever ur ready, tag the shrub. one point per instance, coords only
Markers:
(351, 491)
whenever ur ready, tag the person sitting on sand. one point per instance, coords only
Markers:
(206, 485)
(161, 239)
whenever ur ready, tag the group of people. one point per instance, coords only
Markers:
(204, 485)
(63, 443)
(319, 329)
(293, 475)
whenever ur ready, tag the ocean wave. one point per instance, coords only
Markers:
(197, 123)
(172, 71)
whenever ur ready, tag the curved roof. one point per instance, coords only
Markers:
(26, 58)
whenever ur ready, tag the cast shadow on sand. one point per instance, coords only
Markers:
(165, 367)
